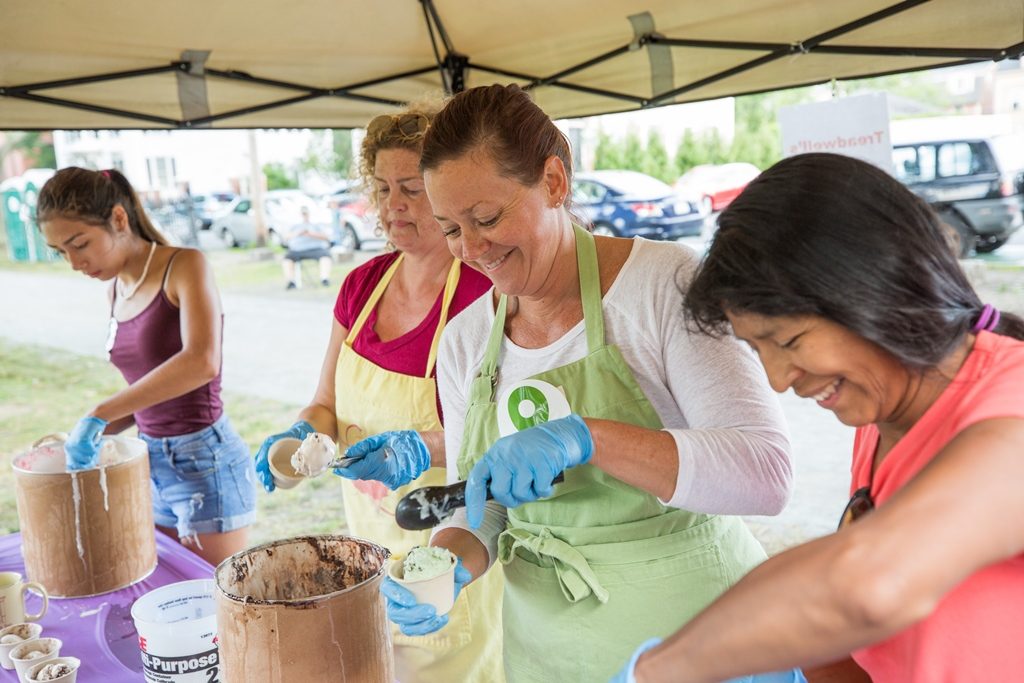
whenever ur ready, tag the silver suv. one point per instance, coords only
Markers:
(976, 184)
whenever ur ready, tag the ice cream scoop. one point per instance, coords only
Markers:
(427, 507)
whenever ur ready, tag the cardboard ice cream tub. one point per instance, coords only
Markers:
(304, 609)
(90, 531)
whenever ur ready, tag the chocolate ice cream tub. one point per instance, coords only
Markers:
(304, 609)
(88, 531)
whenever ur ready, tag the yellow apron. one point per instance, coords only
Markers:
(370, 400)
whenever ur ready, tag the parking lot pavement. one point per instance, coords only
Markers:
(274, 351)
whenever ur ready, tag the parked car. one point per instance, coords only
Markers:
(716, 185)
(206, 207)
(353, 222)
(631, 204)
(281, 210)
(975, 183)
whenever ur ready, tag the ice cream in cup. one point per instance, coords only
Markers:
(59, 670)
(280, 461)
(429, 574)
(31, 652)
(13, 636)
(313, 457)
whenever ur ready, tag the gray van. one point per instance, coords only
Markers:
(976, 184)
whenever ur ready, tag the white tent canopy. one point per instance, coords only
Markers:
(337, 63)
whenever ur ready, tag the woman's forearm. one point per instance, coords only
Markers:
(644, 458)
(322, 418)
(466, 546)
(435, 444)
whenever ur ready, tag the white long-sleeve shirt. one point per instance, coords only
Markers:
(711, 394)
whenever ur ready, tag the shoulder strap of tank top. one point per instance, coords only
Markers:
(167, 269)
(113, 297)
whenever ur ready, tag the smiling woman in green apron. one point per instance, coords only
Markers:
(579, 361)
(377, 390)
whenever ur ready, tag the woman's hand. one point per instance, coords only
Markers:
(392, 458)
(414, 618)
(300, 430)
(519, 468)
(82, 449)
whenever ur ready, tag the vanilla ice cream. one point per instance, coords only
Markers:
(313, 456)
(52, 672)
(426, 562)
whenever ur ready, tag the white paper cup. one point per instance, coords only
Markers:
(280, 460)
(26, 630)
(71, 677)
(49, 647)
(438, 591)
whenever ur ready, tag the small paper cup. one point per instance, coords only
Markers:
(49, 647)
(438, 591)
(26, 631)
(280, 460)
(69, 677)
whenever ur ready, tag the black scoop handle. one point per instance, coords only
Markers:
(427, 507)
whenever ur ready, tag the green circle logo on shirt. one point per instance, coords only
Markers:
(529, 403)
(527, 407)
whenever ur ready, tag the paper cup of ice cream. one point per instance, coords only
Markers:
(59, 670)
(32, 652)
(13, 636)
(280, 460)
(429, 574)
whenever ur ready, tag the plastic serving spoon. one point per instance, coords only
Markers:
(427, 507)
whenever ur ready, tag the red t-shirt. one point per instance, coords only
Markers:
(408, 353)
(977, 631)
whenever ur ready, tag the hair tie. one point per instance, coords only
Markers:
(106, 174)
(988, 320)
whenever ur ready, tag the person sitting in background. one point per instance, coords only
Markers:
(307, 241)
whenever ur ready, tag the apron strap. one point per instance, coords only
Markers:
(371, 303)
(575, 577)
(489, 366)
(590, 288)
(449, 293)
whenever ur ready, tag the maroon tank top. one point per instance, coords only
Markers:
(148, 340)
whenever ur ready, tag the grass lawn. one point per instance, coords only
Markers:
(47, 391)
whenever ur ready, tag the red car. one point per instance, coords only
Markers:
(715, 187)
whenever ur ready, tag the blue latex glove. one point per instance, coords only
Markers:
(628, 673)
(300, 430)
(392, 458)
(519, 468)
(413, 618)
(82, 449)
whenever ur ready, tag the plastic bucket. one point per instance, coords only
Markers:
(177, 627)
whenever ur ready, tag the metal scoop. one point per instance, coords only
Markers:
(427, 507)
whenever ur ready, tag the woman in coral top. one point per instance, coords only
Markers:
(843, 283)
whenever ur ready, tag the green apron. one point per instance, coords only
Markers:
(600, 566)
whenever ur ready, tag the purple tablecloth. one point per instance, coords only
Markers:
(100, 630)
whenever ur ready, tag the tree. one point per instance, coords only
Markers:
(656, 162)
(279, 177)
(329, 154)
(37, 147)
(689, 153)
(633, 154)
(608, 153)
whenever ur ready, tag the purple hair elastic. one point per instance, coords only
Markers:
(988, 320)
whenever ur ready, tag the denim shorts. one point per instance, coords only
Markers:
(203, 482)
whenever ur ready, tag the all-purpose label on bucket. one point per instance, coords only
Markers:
(202, 667)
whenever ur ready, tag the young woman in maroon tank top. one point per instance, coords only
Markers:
(165, 338)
